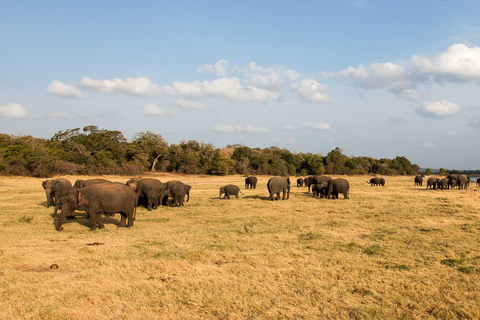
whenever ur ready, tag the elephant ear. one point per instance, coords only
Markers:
(44, 183)
(188, 187)
(81, 197)
(56, 185)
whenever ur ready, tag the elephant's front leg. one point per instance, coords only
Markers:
(123, 220)
(284, 193)
(100, 221)
(93, 220)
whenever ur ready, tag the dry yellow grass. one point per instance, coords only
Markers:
(398, 252)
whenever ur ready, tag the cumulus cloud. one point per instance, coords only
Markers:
(61, 115)
(311, 90)
(134, 86)
(272, 82)
(288, 128)
(65, 90)
(459, 63)
(226, 128)
(439, 109)
(13, 111)
(153, 110)
(219, 68)
(410, 94)
(187, 104)
(316, 126)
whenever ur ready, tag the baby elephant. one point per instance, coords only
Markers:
(229, 190)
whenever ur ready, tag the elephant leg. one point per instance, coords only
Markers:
(123, 220)
(271, 196)
(228, 196)
(100, 221)
(93, 220)
(284, 193)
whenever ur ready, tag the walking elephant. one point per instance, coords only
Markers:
(54, 189)
(443, 184)
(300, 182)
(463, 182)
(101, 199)
(336, 186)
(229, 190)
(251, 182)
(432, 182)
(375, 182)
(279, 184)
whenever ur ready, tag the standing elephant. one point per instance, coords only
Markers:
(168, 190)
(320, 190)
(251, 182)
(432, 182)
(89, 182)
(375, 182)
(279, 184)
(463, 182)
(443, 184)
(142, 188)
(54, 189)
(178, 192)
(300, 182)
(382, 182)
(336, 186)
(418, 181)
(478, 182)
(101, 199)
(317, 180)
(229, 190)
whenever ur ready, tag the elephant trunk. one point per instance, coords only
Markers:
(220, 195)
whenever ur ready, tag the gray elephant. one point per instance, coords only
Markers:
(251, 182)
(478, 182)
(463, 182)
(432, 182)
(336, 186)
(54, 189)
(143, 186)
(178, 192)
(279, 184)
(382, 182)
(418, 181)
(89, 182)
(229, 190)
(374, 182)
(300, 182)
(320, 190)
(317, 180)
(168, 188)
(101, 199)
(443, 184)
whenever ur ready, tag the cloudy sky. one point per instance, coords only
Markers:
(375, 78)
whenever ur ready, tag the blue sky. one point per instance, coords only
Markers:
(374, 78)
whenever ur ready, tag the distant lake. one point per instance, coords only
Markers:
(474, 179)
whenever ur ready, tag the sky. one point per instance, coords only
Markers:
(375, 78)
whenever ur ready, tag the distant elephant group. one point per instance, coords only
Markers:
(376, 182)
(451, 181)
(101, 196)
(326, 187)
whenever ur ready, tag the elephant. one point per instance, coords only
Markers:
(300, 182)
(251, 182)
(432, 182)
(178, 191)
(463, 182)
(279, 184)
(86, 183)
(54, 189)
(443, 184)
(382, 182)
(478, 182)
(452, 183)
(101, 199)
(452, 177)
(308, 182)
(317, 180)
(153, 199)
(168, 187)
(336, 186)
(375, 182)
(418, 181)
(229, 190)
(320, 190)
(143, 186)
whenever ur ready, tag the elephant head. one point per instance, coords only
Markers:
(188, 187)
(222, 191)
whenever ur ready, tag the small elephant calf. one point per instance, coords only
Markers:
(229, 190)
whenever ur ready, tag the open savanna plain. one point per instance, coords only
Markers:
(394, 252)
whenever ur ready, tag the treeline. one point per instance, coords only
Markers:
(94, 151)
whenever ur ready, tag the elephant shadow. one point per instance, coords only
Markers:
(82, 219)
(257, 197)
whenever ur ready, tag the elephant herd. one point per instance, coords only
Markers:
(101, 196)
(451, 181)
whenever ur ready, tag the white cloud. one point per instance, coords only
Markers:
(226, 128)
(65, 90)
(187, 104)
(438, 110)
(459, 63)
(311, 90)
(229, 88)
(272, 82)
(61, 115)
(316, 125)
(428, 145)
(13, 111)
(410, 94)
(219, 68)
(292, 141)
(134, 86)
(153, 110)
(289, 128)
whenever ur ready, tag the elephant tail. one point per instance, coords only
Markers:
(135, 211)
(241, 192)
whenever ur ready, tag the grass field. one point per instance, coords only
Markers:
(394, 252)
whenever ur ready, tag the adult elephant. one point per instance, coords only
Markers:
(251, 182)
(463, 182)
(336, 186)
(432, 182)
(229, 190)
(418, 181)
(443, 184)
(101, 199)
(317, 180)
(382, 182)
(320, 190)
(89, 182)
(300, 182)
(178, 191)
(478, 182)
(142, 187)
(54, 189)
(374, 182)
(168, 190)
(279, 184)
